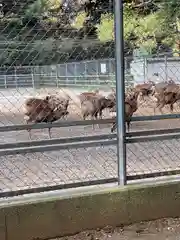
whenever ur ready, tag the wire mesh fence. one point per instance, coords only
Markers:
(153, 158)
(81, 74)
(154, 65)
(50, 168)
(58, 168)
(68, 48)
(45, 50)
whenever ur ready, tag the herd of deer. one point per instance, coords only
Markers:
(54, 107)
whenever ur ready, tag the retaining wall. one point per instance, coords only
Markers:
(50, 217)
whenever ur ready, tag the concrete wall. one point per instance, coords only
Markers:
(51, 217)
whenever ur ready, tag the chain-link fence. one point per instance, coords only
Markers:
(67, 49)
(152, 30)
(46, 50)
(92, 73)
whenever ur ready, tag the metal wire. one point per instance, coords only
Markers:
(152, 147)
(48, 49)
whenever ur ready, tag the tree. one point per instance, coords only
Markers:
(43, 26)
(15, 7)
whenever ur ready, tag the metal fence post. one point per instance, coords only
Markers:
(126, 74)
(75, 73)
(144, 69)
(85, 74)
(166, 68)
(16, 81)
(57, 80)
(120, 92)
(5, 81)
(97, 72)
(67, 79)
(111, 82)
(32, 78)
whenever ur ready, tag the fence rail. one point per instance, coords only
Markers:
(44, 80)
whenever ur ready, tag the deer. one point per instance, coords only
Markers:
(94, 107)
(145, 89)
(41, 111)
(167, 96)
(131, 106)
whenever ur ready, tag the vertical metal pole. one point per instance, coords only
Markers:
(51, 80)
(75, 72)
(97, 73)
(15, 73)
(66, 84)
(85, 74)
(166, 68)
(5, 81)
(144, 69)
(32, 77)
(57, 81)
(110, 79)
(127, 81)
(120, 92)
(147, 72)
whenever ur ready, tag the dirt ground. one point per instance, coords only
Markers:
(163, 229)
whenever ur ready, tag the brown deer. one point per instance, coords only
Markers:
(39, 111)
(131, 106)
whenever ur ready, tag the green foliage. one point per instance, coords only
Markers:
(151, 30)
(78, 23)
(37, 8)
(149, 26)
(130, 23)
(47, 36)
(105, 28)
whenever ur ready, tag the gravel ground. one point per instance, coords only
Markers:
(162, 229)
(65, 166)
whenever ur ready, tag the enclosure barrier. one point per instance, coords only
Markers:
(54, 215)
(57, 75)
(86, 141)
(55, 49)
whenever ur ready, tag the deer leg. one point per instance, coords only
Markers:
(154, 109)
(157, 105)
(29, 132)
(128, 125)
(113, 128)
(28, 129)
(49, 132)
(93, 118)
(96, 117)
(140, 97)
(100, 117)
(171, 107)
(144, 97)
(161, 105)
(84, 117)
(100, 114)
